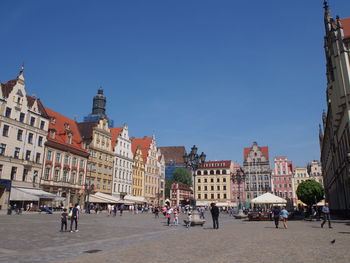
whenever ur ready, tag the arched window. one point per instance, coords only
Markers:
(223, 171)
(211, 171)
(199, 173)
(217, 171)
(205, 172)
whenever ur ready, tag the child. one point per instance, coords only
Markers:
(64, 219)
(189, 219)
(176, 217)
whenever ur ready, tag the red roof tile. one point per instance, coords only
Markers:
(142, 143)
(7, 87)
(216, 164)
(115, 134)
(173, 154)
(346, 26)
(61, 131)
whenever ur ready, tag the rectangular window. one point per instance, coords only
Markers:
(16, 154)
(47, 173)
(30, 138)
(57, 175)
(81, 179)
(205, 180)
(212, 187)
(20, 135)
(74, 162)
(58, 157)
(25, 174)
(199, 188)
(224, 187)
(13, 173)
(21, 117)
(199, 196)
(1, 166)
(218, 196)
(49, 155)
(37, 157)
(81, 164)
(28, 155)
(8, 112)
(32, 121)
(5, 131)
(42, 125)
(212, 180)
(64, 177)
(66, 159)
(205, 196)
(2, 148)
(218, 187)
(205, 188)
(212, 196)
(225, 196)
(40, 141)
(218, 180)
(72, 179)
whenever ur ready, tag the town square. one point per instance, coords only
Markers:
(175, 131)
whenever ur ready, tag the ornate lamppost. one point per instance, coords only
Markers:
(193, 160)
(239, 178)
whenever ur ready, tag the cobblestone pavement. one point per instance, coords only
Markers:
(141, 238)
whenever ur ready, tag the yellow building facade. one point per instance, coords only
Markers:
(138, 174)
(98, 137)
(300, 175)
(213, 183)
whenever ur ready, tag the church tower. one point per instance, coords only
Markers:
(99, 109)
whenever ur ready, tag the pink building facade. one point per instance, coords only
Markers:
(282, 174)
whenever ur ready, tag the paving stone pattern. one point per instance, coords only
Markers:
(142, 238)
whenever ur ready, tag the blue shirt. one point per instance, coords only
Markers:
(284, 213)
(325, 209)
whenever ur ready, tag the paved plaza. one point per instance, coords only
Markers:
(142, 238)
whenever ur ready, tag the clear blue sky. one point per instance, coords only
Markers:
(218, 74)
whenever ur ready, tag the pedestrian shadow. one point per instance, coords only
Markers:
(269, 227)
(344, 232)
(315, 227)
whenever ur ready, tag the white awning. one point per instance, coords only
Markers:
(268, 198)
(97, 199)
(104, 198)
(31, 194)
(135, 199)
(202, 203)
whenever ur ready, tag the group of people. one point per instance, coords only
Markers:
(114, 209)
(72, 215)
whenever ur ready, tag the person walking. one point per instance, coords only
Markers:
(284, 214)
(114, 210)
(215, 215)
(74, 218)
(64, 220)
(121, 208)
(326, 215)
(156, 212)
(276, 215)
(201, 213)
(189, 219)
(176, 217)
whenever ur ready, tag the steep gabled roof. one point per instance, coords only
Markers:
(7, 87)
(144, 144)
(264, 150)
(60, 125)
(346, 26)
(86, 128)
(173, 154)
(115, 134)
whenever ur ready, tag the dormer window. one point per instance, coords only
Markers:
(69, 139)
(67, 126)
(52, 134)
(53, 120)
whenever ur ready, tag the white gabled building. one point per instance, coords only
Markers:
(123, 162)
(23, 130)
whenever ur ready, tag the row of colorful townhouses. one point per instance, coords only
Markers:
(48, 158)
(228, 184)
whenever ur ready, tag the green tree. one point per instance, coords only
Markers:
(181, 175)
(310, 192)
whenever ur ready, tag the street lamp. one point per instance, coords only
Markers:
(238, 178)
(193, 160)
